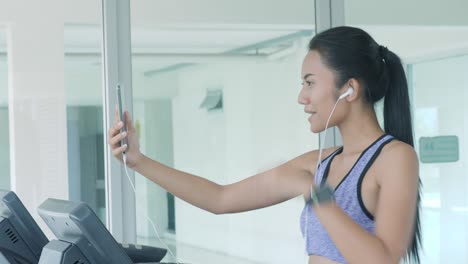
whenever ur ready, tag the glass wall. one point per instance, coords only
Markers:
(433, 44)
(4, 133)
(441, 128)
(83, 84)
(219, 100)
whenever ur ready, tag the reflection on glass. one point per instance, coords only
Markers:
(444, 202)
(214, 107)
(83, 83)
(4, 133)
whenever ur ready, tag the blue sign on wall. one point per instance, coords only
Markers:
(438, 149)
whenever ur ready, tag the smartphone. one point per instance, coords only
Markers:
(121, 115)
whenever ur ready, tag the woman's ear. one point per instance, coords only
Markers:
(353, 83)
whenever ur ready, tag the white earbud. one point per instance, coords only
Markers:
(350, 91)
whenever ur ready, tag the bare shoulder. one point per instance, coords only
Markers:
(398, 161)
(396, 148)
(310, 159)
(307, 163)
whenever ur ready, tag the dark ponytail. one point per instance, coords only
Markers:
(352, 53)
(397, 121)
(397, 112)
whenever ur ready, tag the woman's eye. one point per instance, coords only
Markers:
(308, 83)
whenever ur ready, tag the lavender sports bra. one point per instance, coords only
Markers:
(348, 197)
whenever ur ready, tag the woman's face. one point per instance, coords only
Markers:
(318, 93)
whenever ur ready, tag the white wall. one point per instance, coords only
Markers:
(440, 94)
(37, 120)
(4, 133)
(3, 81)
(261, 126)
(154, 122)
(4, 152)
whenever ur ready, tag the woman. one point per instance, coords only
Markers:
(362, 200)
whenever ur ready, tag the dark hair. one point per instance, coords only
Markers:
(352, 53)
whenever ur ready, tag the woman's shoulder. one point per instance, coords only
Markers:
(308, 162)
(312, 157)
(397, 158)
(397, 149)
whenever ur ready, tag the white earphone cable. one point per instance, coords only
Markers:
(316, 170)
(124, 157)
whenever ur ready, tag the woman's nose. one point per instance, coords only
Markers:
(301, 99)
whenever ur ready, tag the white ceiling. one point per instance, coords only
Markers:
(79, 39)
(412, 43)
(416, 30)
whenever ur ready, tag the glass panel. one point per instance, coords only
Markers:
(83, 83)
(445, 183)
(433, 44)
(381, 13)
(4, 133)
(211, 98)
